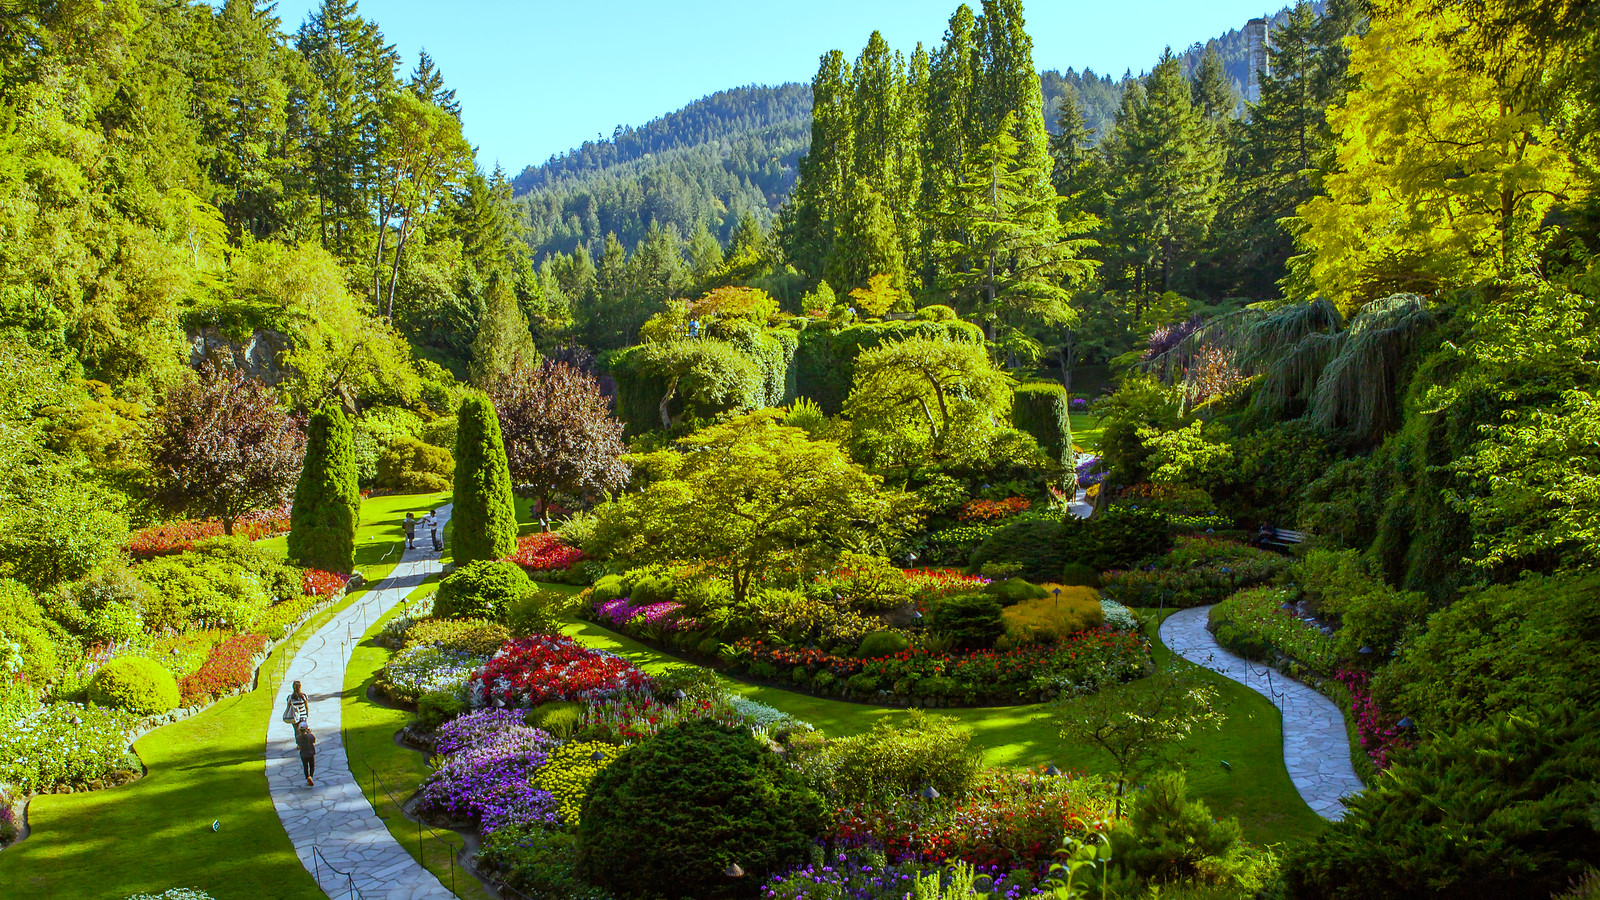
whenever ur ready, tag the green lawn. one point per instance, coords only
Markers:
(1086, 430)
(1257, 788)
(156, 833)
(388, 772)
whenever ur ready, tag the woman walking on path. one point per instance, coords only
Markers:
(307, 742)
(298, 704)
(411, 531)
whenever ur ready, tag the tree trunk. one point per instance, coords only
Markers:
(227, 525)
(666, 417)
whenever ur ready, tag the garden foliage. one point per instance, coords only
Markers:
(484, 520)
(327, 500)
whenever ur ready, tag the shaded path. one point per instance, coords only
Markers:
(1316, 747)
(332, 825)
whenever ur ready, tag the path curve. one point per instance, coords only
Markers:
(334, 817)
(1316, 747)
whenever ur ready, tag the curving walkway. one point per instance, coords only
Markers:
(332, 826)
(1316, 747)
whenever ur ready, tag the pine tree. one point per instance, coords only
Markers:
(1211, 91)
(484, 515)
(1010, 87)
(1070, 150)
(866, 244)
(427, 84)
(503, 336)
(327, 500)
(808, 220)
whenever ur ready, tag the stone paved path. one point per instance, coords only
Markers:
(1316, 747)
(334, 817)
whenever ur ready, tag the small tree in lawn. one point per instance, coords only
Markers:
(221, 446)
(485, 513)
(560, 435)
(1142, 724)
(327, 500)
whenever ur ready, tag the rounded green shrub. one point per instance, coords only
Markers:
(882, 643)
(671, 814)
(1013, 591)
(608, 588)
(438, 707)
(936, 312)
(412, 467)
(653, 587)
(1079, 575)
(1117, 538)
(970, 621)
(138, 685)
(538, 611)
(486, 589)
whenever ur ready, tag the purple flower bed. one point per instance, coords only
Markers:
(474, 728)
(487, 780)
(1090, 471)
(662, 616)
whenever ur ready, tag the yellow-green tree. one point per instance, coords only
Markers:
(1444, 170)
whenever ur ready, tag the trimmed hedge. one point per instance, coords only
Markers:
(1040, 409)
(485, 512)
(133, 683)
(484, 589)
(327, 500)
(749, 368)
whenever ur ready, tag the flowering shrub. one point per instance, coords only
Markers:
(1378, 731)
(1009, 820)
(421, 670)
(660, 618)
(474, 728)
(567, 774)
(1090, 470)
(1255, 624)
(1117, 616)
(322, 583)
(489, 781)
(64, 743)
(546, 551)
(544, 667)
(176, 537)
(992, 510)
(931, 585)
(229, 666)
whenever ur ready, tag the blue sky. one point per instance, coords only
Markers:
(535, 78)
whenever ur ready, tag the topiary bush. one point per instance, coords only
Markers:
(1013, 591)
(133, 683)
(669, 815)
(485, 516)
(882, 643)
(970, 621)
(1040, 409)
(412, 467)
(327, 499)
(485, 589)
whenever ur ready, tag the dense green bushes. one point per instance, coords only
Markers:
(135, 684)
(895, 760)
(970, 621)
(1040, 548)
(1040, 409)
(485, 515)
(23, 622)
(669, 815)
(1496, 811)
(327, 500)
(1032, 544)
(485, 589)
(825, 358)
(411, 467)
(1171, 838)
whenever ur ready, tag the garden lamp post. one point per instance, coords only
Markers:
(597, 756)
(1057, 592)
(1052, 771)
(733, 871)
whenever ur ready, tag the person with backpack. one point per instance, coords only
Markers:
(307, 742)
(411, 531)
(298, 708)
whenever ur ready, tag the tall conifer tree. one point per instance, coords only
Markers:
(484, 517)
(327, 499)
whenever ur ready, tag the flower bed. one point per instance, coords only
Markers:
(992, 510)
(229, 667)
(322, 583)
(176, 537)
(425, 669)
(1080, 663)
(542, 668)
(867, 875)
(1377, 731)
(546, 552)
(65, 744)
(659, 617)
(1256, 625)
(929, 585)
(488, 781)
(474, 728)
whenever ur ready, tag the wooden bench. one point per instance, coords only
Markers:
(1281, 538)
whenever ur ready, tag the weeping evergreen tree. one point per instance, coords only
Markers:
(327, 500)
(485, 513)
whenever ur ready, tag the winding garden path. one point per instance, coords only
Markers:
(332, 826)
(1316, 747)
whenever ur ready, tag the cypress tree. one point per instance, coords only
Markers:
(327, 501)
(1040, 409)
(485, 513)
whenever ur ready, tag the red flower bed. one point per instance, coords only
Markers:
(542, 668)
(930, 584)
(176, 537)
(230, 666)
(1377, 730)
(322, 583)
(545, 551)
(992, 510)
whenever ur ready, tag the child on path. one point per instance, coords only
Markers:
(307, 742)
(411, 531)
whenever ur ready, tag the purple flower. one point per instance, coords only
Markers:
(474, 728)
(488, 780)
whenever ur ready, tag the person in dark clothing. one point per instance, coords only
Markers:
(411, 531)
(307, 742)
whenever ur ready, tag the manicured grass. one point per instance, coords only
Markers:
(156, 833)
(1086, 430)
(1257, 788)
(388, 772)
